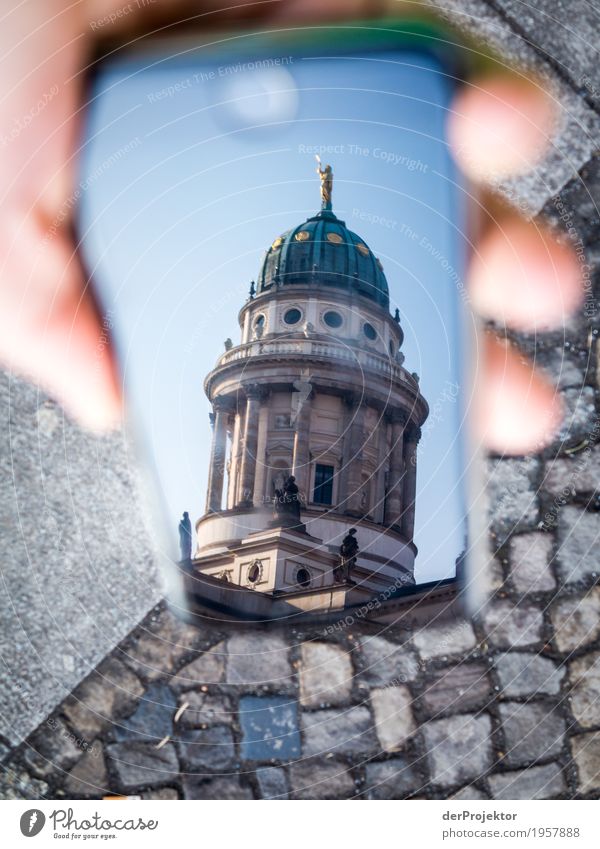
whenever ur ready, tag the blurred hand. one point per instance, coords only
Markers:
(49, 328)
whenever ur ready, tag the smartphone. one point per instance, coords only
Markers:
(276, 234)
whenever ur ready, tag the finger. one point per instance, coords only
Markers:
(499, 125)
(517, 411)
(50, 331)
(522, 277)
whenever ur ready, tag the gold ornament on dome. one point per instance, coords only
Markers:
(363, 249)
(335, 238)
(277, 243)
(302, 236)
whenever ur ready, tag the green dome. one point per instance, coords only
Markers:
(324, 252)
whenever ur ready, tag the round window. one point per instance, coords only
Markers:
(369, 331)
(292, 316)
(334, 238)
(333, 319)
(303, 577)
(254, 571)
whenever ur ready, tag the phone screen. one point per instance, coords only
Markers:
(277, 239)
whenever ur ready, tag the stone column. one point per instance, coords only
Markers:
(394, 499)
(216, 470)
(248, 469)
(413, 434)
(301, 452)
(261, 452)
(355, 437)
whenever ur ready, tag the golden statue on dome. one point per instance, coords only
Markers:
(326, 177)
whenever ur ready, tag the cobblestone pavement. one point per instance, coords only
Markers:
(507, 707)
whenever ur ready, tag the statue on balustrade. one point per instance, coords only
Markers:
(287, 503)
(348, 555)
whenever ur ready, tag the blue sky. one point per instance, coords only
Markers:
(188, 177)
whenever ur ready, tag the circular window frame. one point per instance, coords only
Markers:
(258, 565)
(289, 309)
(334, 238)
(306, 584)
(332, 311)
(302, 236)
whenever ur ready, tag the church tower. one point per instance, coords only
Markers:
(315, 388)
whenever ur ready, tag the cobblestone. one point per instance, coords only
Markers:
(318, 780)
(344, 731)
(393, 779)
(512, 492)
(226, 788)
(88, 777)
(53, 747)
(394, 720)
(459, 748)
(585, 749)
(576, 620)
(109, 691)
(384, 662)
(207, 750)
(269, 728)
(584, 675)
(524, 674)
(457, 689)
(531, 731)
(578, 532)
(513, 625)
(204, 709)
(139, 764)
(575, 475)
(256, 659)
(208, 668)
(325, 675)
(152, 719)
(537, 782)
(530, 556)
(445, 639)
(272, 782)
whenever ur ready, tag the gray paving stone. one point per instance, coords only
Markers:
(152, 719)
(64, 556)
(393, 779)
(457, 689)
(269, 728)
(53, 747)
(138, 764)
(223, 789)
(394, 720)
(584, 676)
(161, 644)
(313, 779)
(512, 492)
(524, 674)
(204, 709)
(207, 750)
(259, 659)
(272, 783)
(109, 691)
(513, 625)
(16, 783)
(445, 639)
(459, 748)
(384, 662)
(579, 474)
(531, 732)
(166, 794)
(537, 782)
(325, 675)
(530, 556)
(470, 793)
(576, 620)
(88, 777)
(580, 414)
(207, 669)
(578, 534)
(348, 731)
(585, 749)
